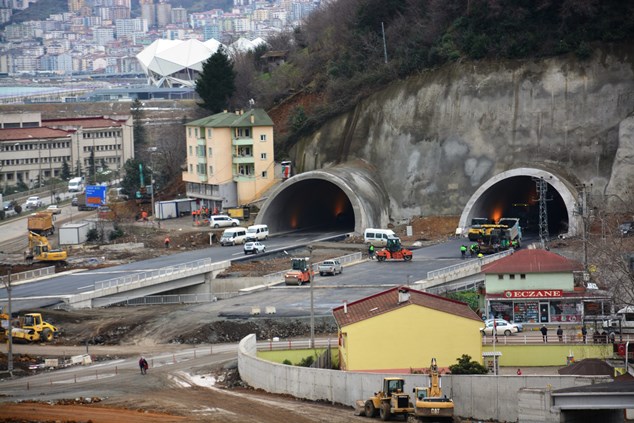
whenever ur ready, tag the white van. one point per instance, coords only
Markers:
(76, 185)
(233, 236)
(377, 237)
(257, 232)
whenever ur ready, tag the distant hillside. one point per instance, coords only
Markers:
(39, 11)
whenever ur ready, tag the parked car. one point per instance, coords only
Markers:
(254, 247)
(626, 228)
(6, 206)
(54, 208)
(502, 327)
(520, 327)
(33, 203)
(74, 202)
(330, 267)
(222, 220)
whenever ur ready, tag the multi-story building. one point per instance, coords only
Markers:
(163, 14)
(34, 150)
(229, 158)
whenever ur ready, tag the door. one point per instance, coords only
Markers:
(543, 312)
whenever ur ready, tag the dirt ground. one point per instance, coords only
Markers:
(140, 329)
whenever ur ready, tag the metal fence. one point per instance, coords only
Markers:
(279, 276)
(30, 274)
(184, 269)
(469, 264)
(170, 299)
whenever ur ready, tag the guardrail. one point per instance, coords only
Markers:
(279, 276)
(29, 274)
(173, 299)
(184, 269)
(475, 263)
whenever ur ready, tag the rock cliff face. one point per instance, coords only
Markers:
(437, 137)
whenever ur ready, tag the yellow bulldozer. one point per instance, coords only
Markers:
(30, 327)
(430, 402)
(389, 402)
(40, 250)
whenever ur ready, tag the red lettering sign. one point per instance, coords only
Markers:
(540, 293)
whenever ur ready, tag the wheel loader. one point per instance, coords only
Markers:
(393, 251)
(389, 402)
(430, 402)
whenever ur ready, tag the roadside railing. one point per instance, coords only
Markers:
(277, 344)
(279, 276)
(184, 269)
(29, 274)
(170, 299)
(470, 264)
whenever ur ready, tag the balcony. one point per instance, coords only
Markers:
(242, 141)
(237, 177)
(239, 159)
(202, 177)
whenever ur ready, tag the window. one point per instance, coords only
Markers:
(189, 132)
(211, 170)
(262, 156)
(209, 151)
(209, 133)
(264, 175)
(522, 276)
(263, 137)
(191, 168)
(196, 132)
(500, 277)
(511, 277)
(191, 151)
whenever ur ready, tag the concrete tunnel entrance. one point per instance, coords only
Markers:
(341, 198)
(514, 194)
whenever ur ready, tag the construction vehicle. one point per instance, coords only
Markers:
(301, 272)
(388, 402)
(476, 230)
(430, 402)
(41, 223)
(30, 327)
(502, 236)
(40, 250)
(81, 203)
(394, 250)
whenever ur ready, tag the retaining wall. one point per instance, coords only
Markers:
(476, 396)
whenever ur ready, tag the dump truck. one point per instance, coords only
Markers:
(81, 203)
(41, 223)
(393, 251)
(390, 401)
(40, 250)
(429, 402)
(30, 327)
(301, 272)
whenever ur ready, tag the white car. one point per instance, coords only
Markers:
(33, 203)
(254, 247)
(222, 220)
(54, 208)
(502, 327)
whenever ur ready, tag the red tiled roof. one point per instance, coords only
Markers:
(84, 122)
(387, 301)
(532, 261)
(31, 134)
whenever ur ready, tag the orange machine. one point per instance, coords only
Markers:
(394, 251)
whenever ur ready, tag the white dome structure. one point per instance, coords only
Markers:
(175, 63)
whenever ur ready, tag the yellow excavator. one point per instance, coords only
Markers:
(430, 402)
(40, 250)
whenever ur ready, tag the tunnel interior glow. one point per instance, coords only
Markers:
(517, 197)
(310, 204)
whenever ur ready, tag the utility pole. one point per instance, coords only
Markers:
(585, 218)
(7, 284)
(542, 189)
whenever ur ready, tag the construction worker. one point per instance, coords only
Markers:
(480, 255)
(474, 249)
(371, 252)
(463, 250)
(167, 241)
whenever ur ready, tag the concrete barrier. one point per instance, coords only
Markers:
(481, 397)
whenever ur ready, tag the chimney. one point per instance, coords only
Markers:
(252, 119)
(345, 307)
(403, 295)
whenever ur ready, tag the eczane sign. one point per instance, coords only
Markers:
(538, 293)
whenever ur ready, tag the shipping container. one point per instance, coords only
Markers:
(174, 208)
(74, 233)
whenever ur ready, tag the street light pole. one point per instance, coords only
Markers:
(7, 285)
(152, 150)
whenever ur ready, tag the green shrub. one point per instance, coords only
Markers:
(116, 233)
(466, 366)
(92, 235)
(306, 361)
(287, 362)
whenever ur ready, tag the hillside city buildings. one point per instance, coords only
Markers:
(104, 36)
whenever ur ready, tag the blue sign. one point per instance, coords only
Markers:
(95, 195)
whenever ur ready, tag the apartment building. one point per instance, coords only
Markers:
(34, 150)
(230, 159)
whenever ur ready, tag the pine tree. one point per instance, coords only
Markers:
(65, 175)
(138, 130)
(216, 83)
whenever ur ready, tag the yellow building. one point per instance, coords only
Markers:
(230, 159)
(402, 329)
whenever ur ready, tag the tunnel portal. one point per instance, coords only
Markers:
(514, 194)
(311, 204)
